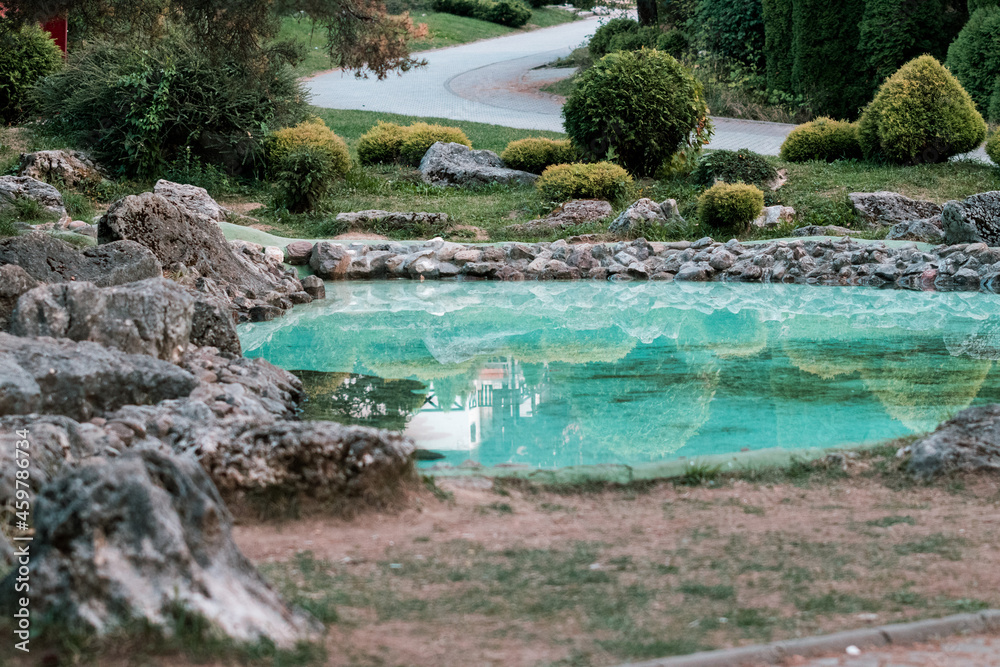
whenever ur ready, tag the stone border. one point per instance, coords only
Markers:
(885, 635)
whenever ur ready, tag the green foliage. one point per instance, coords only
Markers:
(312, 133)
(893, 32)
(645, 37)
(778, 44)
(974, 5)
(600, 180)
(921, 114)
(138, 111)
(730, 207)
(742, 166)
(733, 30)
(26, 55)
(974, 58)
(993, 148)
(534, 154)
(673, 42)
(421, 136)
(600, 43)
(822, 139)
(638, 109)
(504, 12)
(826, 68)
(382, 144)
(304, 176)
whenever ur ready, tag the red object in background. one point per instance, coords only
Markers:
(59, 29)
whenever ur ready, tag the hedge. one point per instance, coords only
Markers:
(778, 52)
(505, 12)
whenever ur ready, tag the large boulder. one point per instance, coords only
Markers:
(889, 208)
(330, 261)
(68, 167)
(455, 164)
(145, 537)
(975, 220)
(968, 442)
(646, 212)
(14, 188)
(927, 230)
(14, 281)
(81, 380)
(49, 260)
(193, 200)
(774, 216)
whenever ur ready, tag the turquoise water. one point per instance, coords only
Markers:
(575, 373)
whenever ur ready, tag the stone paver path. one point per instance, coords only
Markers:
(982, 651)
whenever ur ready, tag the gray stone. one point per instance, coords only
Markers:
(14, 281)
(455, 164)
(193, 200)
(212, 325)
(976, 219)
(130, 539)
(645, 212)
(391, 218)
(330, 261)
(13, 188)
(314, 287)
(889, 208)
(298, 252)
(574, 212)
(970, 441)
(81, 380)
(774, 216)
(927, 230)
(70, 168)
(49, 260)
(822, 230)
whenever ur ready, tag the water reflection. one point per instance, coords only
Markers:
(577, 373)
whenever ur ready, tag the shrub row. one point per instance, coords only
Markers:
(388, 142)
(505, 12)
(625, 34)
(534, 154)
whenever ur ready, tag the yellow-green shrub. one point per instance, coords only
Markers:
(534, 154)
(381, 144)
(822, 139)
(421, 136)
(730, 207)
(993, 148)
(601, 180)
(921, 114)
(315, 135)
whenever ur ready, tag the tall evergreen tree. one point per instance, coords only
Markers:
(826, 68)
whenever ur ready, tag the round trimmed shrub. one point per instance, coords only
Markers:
(304, 175)
(921, 114)
(599, 180)
(730, 207)
(642, 107)
(508, 12)
(742, 166)
(822, 139)
(534, 154)
(974, 59)
(26, 55)
(421, 136)
(315, 135)
(993, 148)
(600, 43)
(381, 144)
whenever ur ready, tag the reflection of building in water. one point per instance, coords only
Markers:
(497, 400)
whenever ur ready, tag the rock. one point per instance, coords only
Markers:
(575, 212)
(68, 167)
(774, 216)
(81, 380)
(970, 441)
(134, 538)
(49, 260)
(14, 281)
(314, 287)
(926, 231)
(330, 261)
(14, 188)
(822, 230)
(977, 219)
(392, 219)
(194, 201)
(645, 212)
(297, 252)
(889, 208)
(212, 325)
(455, 164)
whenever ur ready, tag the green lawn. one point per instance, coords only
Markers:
(444, 30)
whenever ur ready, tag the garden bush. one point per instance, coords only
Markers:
(505, 12)
(600, 180)
(730, 207)
(673, 42)
(381, 144)
(314, 134)
(421, 136)
(643, 38)
(637, 108)
(993, 148)
(137, 111)
(822, 139)
(921, 114)
(534, 154)
(974, 58)
(26, 55)
(304, 176)
(600, 43)
(742, 166)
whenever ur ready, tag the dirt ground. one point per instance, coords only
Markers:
(521, 576)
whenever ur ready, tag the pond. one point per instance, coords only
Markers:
(552, 374)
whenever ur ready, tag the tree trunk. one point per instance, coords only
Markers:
(647, 12)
